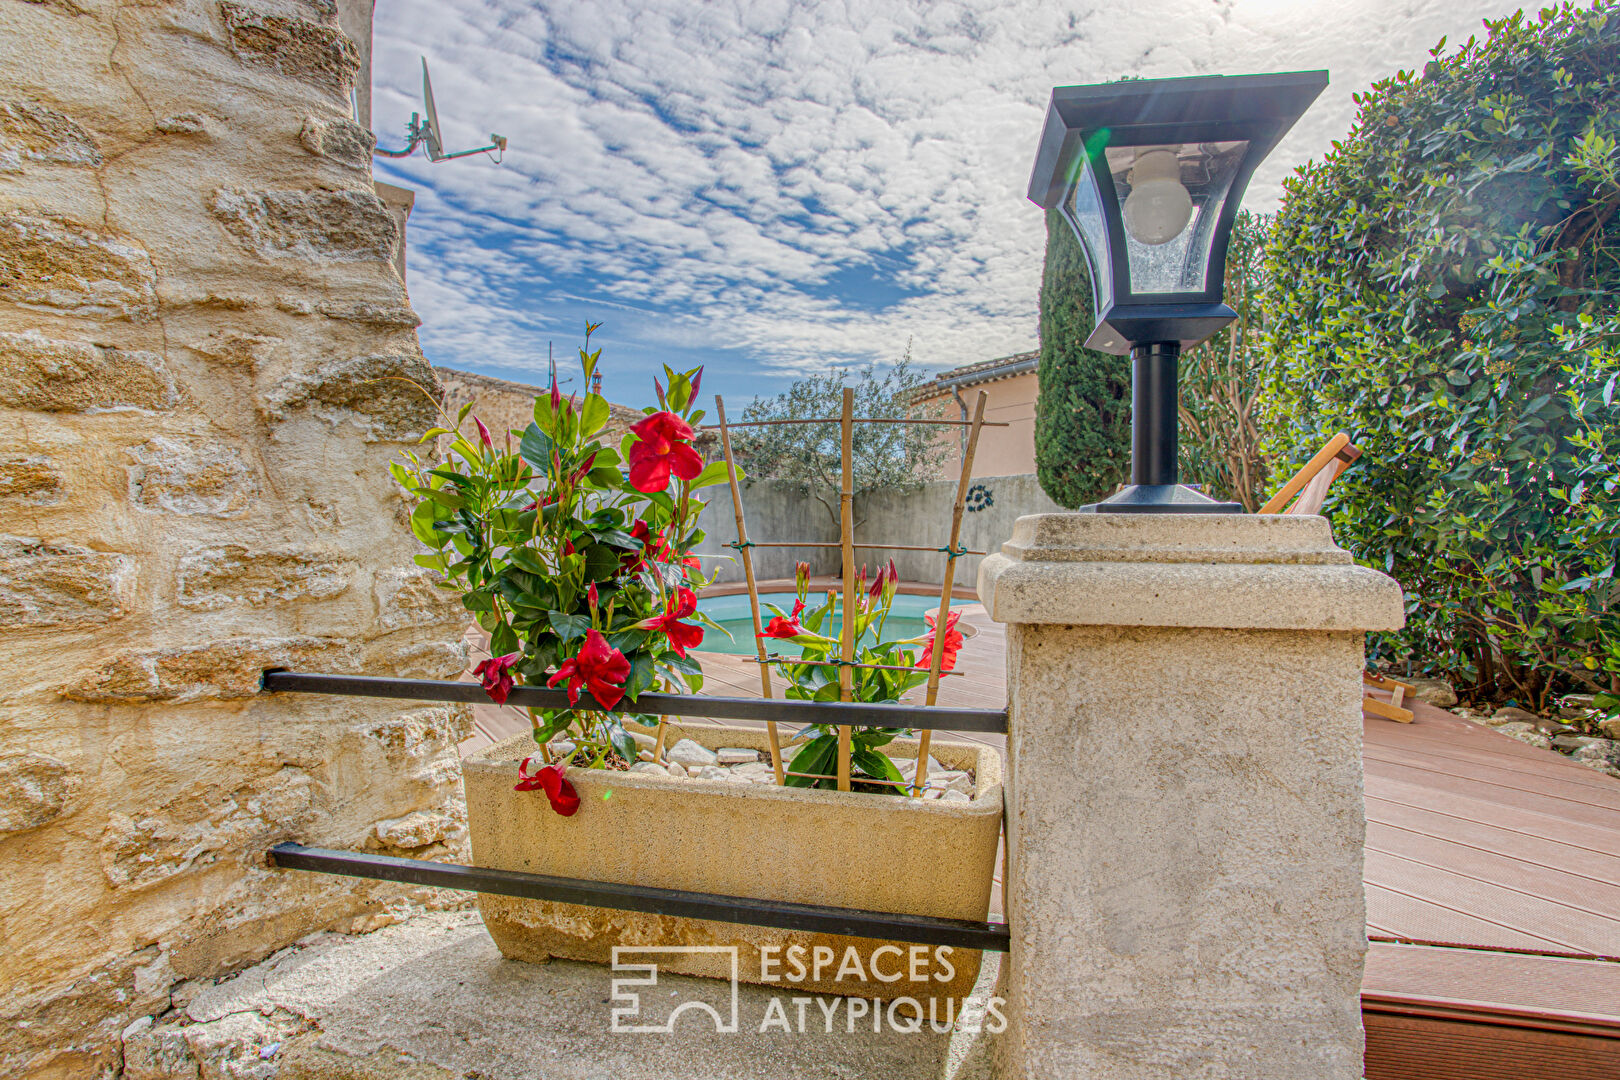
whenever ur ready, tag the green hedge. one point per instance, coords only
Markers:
(1444, 286)
(1083, 405)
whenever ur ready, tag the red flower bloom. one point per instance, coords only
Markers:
(663, 446)
(953, 642)
(682, 636)
(564, 799)
(631, 561)
(598, 668)
(496, 675)
(785, 626)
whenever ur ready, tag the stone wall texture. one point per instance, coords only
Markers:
(201, 336)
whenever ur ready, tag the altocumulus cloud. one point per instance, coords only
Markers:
(781, 187)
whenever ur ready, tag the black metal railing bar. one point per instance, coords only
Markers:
(854, 714)
(779, 914)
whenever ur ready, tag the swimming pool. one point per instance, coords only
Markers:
(905, 620)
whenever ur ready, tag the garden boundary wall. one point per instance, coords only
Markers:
(918, 516)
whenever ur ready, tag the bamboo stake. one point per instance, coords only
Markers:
(658, 747)
(846, 523)
(753, 586)
(942, 620)
(839, 544)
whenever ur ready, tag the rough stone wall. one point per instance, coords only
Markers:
(202, 338)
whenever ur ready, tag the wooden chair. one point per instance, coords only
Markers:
(1304, 493)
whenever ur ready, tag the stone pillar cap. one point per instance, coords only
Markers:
(1236, 571)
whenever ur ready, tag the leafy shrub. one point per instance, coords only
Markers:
(811, 455)
(573, 555)
(1443, 286)
(1083, 406)
(1222, 381)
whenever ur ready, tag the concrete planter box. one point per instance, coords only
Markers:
(845, 849)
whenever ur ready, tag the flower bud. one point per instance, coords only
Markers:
(801, 579)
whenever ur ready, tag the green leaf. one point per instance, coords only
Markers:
(620, 738)
(536, 448)
(568, 627)
(443, 496)
(817, 756)
(594, 415)
(642, 674)
(715, 472)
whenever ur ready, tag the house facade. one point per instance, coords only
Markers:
(1010, 382)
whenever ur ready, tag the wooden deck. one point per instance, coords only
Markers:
(1493, 887)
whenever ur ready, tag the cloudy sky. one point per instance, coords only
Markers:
(775, 188)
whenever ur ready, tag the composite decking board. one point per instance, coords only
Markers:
(1574, 989)
(1411, 918)
(1577, 791)
(1525, 843)
(1553, 791)
(1575, 929)
(1595, 878)
(1481, 802)
(1437, 753)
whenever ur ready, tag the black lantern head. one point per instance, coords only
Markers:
(1149, 174)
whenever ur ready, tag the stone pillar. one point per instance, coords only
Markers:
(203, 355)
(1184, 796)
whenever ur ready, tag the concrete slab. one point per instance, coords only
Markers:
(431, 998)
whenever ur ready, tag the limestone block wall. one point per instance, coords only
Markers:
(203, 348)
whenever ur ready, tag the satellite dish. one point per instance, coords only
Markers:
(435, 146)
(432, 134)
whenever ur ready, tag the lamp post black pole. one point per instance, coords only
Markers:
(1155, 413)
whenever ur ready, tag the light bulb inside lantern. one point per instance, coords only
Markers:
(1158, 207)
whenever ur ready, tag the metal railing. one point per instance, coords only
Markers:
(778, 914)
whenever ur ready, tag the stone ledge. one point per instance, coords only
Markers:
(1195, 571)
(1172, 538)
(431, 999)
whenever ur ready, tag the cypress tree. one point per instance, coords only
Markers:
(1083, 409)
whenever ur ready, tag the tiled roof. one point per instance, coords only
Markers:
(985, 370)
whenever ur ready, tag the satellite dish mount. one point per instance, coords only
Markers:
(428, 132)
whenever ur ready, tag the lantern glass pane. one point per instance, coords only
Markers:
(1083, 207)
(1167, 241)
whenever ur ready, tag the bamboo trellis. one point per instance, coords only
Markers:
(846, 525)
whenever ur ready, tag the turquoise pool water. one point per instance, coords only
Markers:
(905, 620)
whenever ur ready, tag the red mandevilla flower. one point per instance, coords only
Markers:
(663, 446)
(483, 433)
(631, 561)
(564, 799)
(598, 668)
(953, 642)
(785, 626)
(682, 636)
(496, 675)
